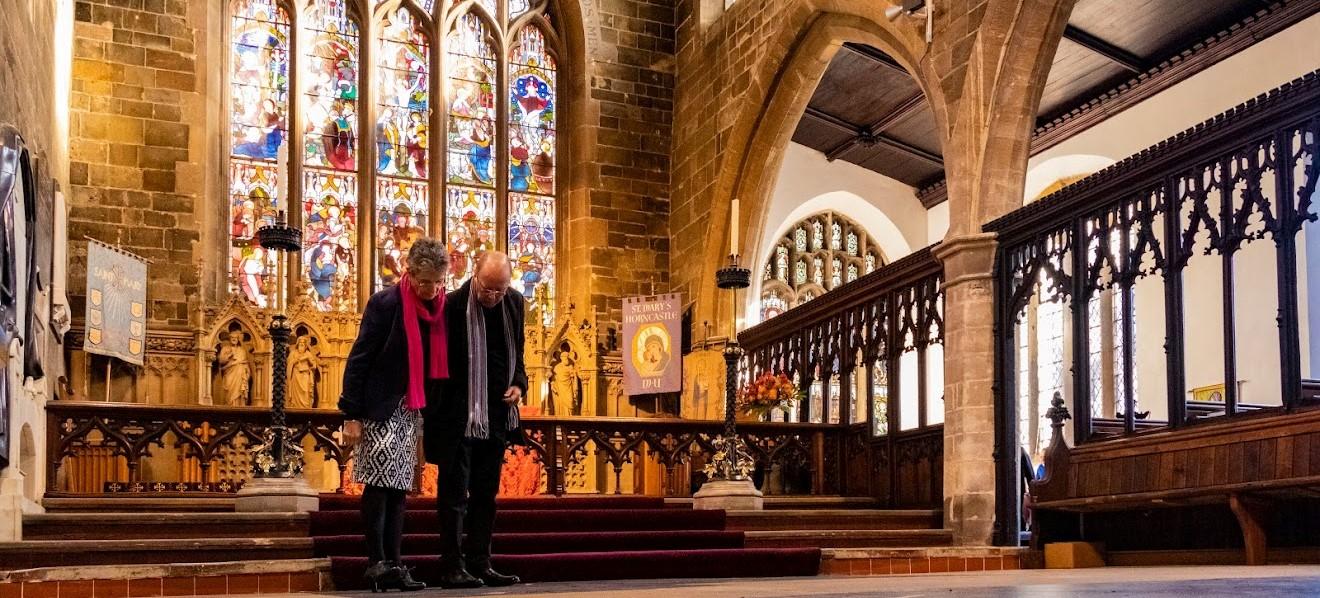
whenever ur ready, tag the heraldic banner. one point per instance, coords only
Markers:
(116, 303)
(652, 363)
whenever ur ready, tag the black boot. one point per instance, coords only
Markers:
(381, 576)
(404, 580)
(458, 577)
(493, 578)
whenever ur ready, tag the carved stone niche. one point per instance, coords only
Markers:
(317, 353)
(565, 359)
(232, 345)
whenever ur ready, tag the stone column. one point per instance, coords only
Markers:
(969, 405)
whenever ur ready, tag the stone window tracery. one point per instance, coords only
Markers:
(840, 251)
(468, 156)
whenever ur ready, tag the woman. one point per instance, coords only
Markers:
(399, 357)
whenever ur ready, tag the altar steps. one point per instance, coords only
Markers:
(148, 525)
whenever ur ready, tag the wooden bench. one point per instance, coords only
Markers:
(1247, 462)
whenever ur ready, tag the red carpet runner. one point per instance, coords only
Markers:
(570, 539)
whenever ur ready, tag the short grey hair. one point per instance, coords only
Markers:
(428, 254)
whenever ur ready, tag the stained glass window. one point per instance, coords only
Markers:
(880, 398)
(482, 204)
(772, 306)
(470, 222)
(531, 242)
(518, 7)
(531, 114)
(402, 141)
(259, 90)
(471, 72)
(330, 156)
(329, 237)
(532, 104)
(401, 211)
(839, 251)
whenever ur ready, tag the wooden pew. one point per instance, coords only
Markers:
(1246, 462)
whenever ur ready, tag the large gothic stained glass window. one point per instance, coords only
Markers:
(259, 96)
(468, 156)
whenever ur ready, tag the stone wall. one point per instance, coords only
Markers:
(622, 247)
(136, 134)
(27, 77)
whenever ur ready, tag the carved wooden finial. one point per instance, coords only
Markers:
(1057, 414)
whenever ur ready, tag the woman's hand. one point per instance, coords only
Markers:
(351, 433)
(513, 395)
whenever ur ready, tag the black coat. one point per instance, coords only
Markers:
(446, 414)
(376, 373)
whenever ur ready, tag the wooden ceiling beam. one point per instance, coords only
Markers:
(876, 56)
(866, 137)
(909, 107)
(1106, 50)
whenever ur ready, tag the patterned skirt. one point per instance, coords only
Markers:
(387, 454)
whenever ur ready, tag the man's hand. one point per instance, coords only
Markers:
(513, 395)
(351, 433)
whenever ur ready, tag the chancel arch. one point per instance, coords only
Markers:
(385, 122)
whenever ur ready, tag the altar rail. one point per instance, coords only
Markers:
(1194, 242)
(114, 448)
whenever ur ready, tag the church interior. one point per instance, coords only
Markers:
(945, 286)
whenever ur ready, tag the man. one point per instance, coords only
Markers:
(470, 423)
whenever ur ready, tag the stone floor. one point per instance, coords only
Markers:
(1144, 582)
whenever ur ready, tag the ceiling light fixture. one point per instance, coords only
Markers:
(913, 8)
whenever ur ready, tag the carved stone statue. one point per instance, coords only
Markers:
(235, 371)
(563, 385)
(304, 370)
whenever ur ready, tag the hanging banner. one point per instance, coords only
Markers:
(116, 303)
(652, 363)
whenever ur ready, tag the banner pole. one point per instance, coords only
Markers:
(109, 361)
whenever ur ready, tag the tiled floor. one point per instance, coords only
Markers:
(1146, 582)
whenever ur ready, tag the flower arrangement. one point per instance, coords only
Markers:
(766, 394)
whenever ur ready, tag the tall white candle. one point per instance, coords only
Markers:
(733, 229)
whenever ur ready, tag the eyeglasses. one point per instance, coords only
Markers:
(482, 291)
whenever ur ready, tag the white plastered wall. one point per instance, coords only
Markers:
(808, 184)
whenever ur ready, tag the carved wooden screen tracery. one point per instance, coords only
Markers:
(818, 254)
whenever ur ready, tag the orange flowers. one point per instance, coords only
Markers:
(767, 393)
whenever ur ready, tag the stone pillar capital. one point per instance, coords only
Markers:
(967, 258)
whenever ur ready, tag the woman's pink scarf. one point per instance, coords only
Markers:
(438, 369)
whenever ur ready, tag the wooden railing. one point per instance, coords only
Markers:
(111, 448)
(1221, 207)
(852, 341)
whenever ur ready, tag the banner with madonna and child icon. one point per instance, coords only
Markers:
(116, 303)
(652, 363)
